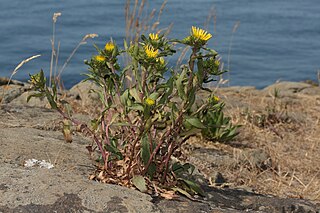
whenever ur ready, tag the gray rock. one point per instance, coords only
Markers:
(33, 102)
(237, 89)
(286, 88)
(83, 92)
(314, 91)
(29, 132)
(12, 91)
(5, 81)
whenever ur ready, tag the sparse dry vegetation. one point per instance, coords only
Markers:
(280, 146)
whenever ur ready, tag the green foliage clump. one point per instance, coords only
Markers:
(146, 117)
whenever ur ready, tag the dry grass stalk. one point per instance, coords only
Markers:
(16, 70)
(136, 23)
(82, 42)
(211, 14)
(53, 53)
(235, 27)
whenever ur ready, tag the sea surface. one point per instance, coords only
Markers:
(260, 42)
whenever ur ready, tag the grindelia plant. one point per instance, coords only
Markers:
(149, 110)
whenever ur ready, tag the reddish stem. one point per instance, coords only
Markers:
(87, 129)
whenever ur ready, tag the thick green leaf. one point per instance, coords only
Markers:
(191, 98)
(193, 186)
(36, 95)
(145, 149)
(124, 97)
(154, 96)
(196, 123)
(51, 100)
(180, 85)
(133, 92)
(140, 183)
(112, 148)
(137, 107)
(152, 170)
(200, 71)
(183, 192)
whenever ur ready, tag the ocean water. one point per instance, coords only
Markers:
(275, 40)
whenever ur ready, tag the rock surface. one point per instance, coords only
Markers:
(34, 132)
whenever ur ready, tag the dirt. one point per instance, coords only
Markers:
(271, 166)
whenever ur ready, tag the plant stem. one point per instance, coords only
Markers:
(162, 139)
(85, 128)
(170, 149)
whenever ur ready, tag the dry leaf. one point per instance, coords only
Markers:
(169, 195)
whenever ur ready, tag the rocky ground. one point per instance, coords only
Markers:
(272, 166)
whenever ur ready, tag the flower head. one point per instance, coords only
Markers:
(150, 102)
(161, 60)
(153, 36)
(214, 99)
(100, 58)
(200, 34)
(109, 46)
(217, 63)
(150, 51)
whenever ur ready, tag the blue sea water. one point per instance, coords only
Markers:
(275, 40)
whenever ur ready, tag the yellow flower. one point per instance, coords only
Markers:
(100, 58)
(215, 98)
(154, 36)
(217, 63)
(200, 34)
(161, 60)
(109, 46)
(150, 51)
(150, 102)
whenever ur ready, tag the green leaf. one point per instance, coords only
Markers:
(51, 100)
(152, 170)
(191, 98)
(196, 123)
(183, 192)
(154, 96)
(133, 92)
(169, 88)
(114, 150)
(125, 44)
(67, 106)
(37, 95)
(185, 169)
(94, 124)
(193, 186)
(140, 183)
(137, 107)
(145, 149)
(180, 85)
(190, 132)
(200, 71)
(213, 52)
(124, 97)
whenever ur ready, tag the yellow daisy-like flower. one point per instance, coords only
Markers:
(200, 34)
(154, 36)
(150, 102)
(100, 58)
(150, 51)
(109, 46)
(215, 98)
